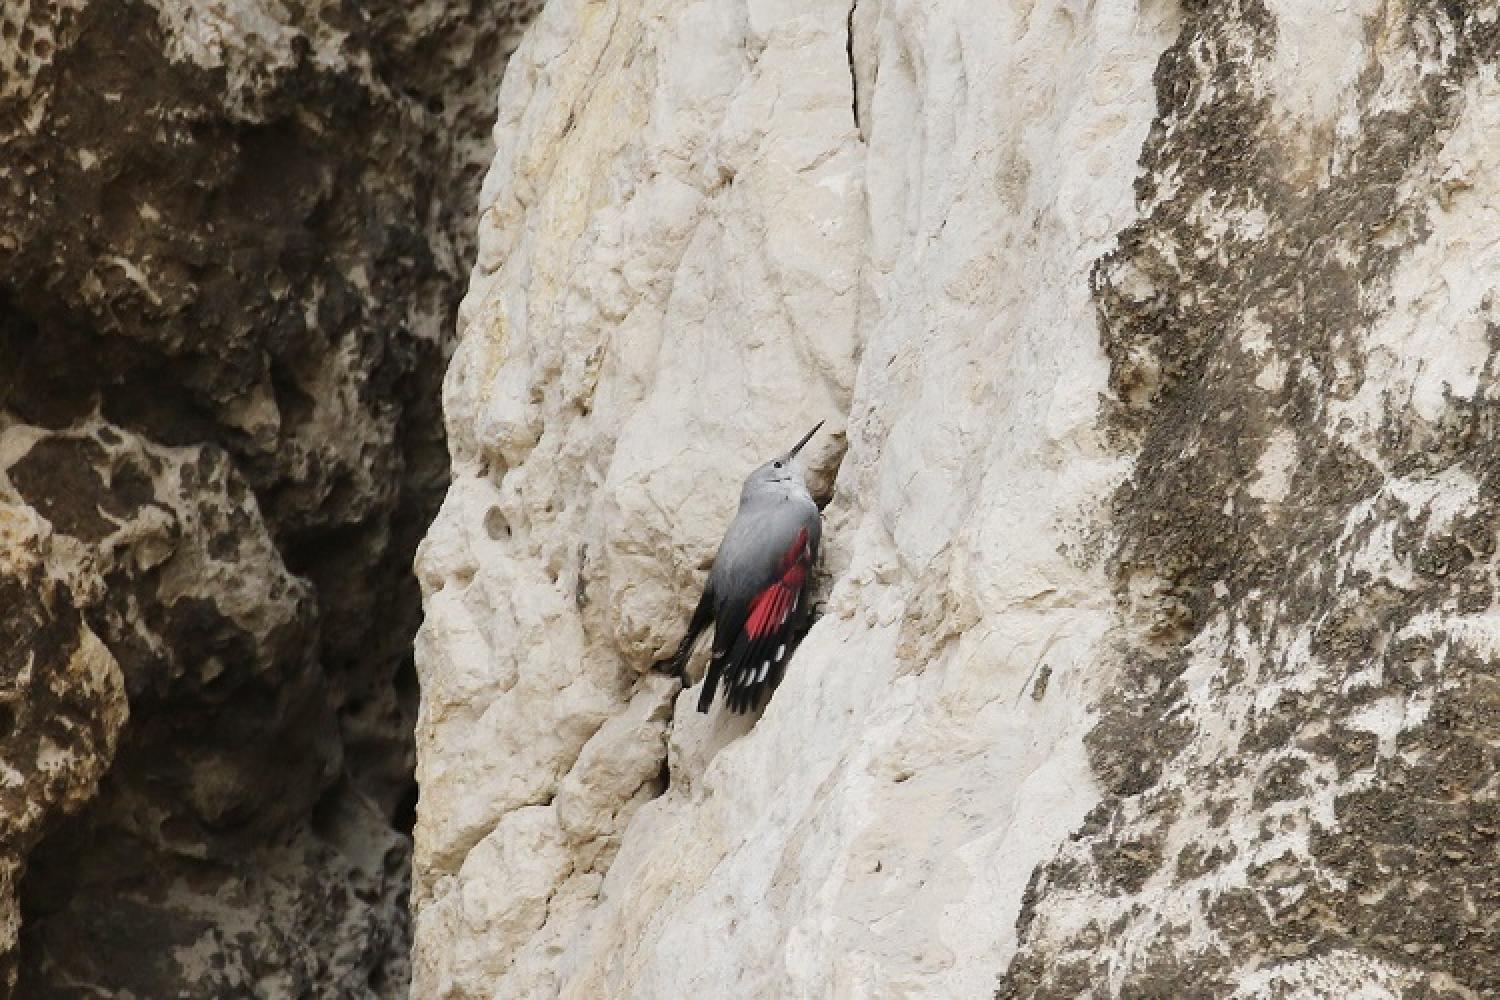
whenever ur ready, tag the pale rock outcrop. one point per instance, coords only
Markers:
(1160, 562)
(690, 250)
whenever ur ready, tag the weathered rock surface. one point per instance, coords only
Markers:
(1300, 753)
(232, 236)
(1158, 653)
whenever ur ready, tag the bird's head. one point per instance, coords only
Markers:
(780, 475)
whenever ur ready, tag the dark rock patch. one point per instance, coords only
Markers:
(227, 285)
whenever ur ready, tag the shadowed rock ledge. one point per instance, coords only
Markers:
(232, 238)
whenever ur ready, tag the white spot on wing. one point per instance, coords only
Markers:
(780, 652)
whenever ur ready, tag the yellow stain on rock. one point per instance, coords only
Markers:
(603, 105)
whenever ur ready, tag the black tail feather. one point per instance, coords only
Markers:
(747, 691)
(710, 685)
(702, 615)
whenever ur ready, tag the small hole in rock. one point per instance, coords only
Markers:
(494, 524)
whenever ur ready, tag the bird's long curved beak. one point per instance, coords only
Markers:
(805, 438)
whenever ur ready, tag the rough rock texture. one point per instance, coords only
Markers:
(1301, 751)
(1157, 654)
(232, 236)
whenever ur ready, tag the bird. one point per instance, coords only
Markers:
(757, 591)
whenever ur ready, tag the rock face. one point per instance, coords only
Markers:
(1158, 640)
(231, 241)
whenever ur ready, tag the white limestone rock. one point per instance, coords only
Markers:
(682, 265)
(1023, 281)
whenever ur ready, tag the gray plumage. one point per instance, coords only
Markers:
(757, 591)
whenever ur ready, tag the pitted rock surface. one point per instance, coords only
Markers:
(232, 238)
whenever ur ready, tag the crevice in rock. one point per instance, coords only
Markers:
(853, 74)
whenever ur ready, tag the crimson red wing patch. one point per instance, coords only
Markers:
(772, 606)
(753, 664)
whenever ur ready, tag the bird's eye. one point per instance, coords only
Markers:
(775, 465)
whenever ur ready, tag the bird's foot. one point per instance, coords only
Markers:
(675, 669)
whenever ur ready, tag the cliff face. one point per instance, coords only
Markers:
(1157, 342)
(706, 229)
(231, 242)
